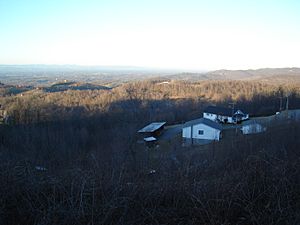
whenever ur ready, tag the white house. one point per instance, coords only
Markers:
(252, 127)
(201, 130)
(224, 115)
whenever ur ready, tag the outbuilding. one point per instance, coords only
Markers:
(200, 131)
(152, 131)
(252, 127)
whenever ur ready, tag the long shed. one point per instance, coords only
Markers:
(152, 131)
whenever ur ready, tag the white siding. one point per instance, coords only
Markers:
(209, 133)
(215, 117)
(230, 120)
(245, 117)
(186, 132)
(210, 116)
(226, 119)
(252, 129)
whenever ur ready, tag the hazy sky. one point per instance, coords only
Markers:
(187, 34)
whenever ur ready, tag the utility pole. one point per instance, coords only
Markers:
(280, 107)
(232, 103)
(232, 112)
(287, 101)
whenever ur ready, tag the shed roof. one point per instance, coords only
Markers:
(251, 122)
(205, 121)
(152, 127)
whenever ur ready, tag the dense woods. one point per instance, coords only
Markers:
(72, 157)
(173, 101)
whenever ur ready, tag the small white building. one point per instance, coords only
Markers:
(224, 115)
(201, 130)
(252, 127)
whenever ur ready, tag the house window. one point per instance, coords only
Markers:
(200, 132)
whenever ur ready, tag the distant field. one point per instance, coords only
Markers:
(39, 75)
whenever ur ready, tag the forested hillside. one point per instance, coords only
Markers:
(155, 99)
(72, 157)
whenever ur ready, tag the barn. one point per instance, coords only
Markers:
(200, 131)
(224, 115)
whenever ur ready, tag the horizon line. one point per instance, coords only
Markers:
(145, 67)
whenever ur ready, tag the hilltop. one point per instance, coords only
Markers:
(272, 75)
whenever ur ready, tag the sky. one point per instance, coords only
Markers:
(166, 34)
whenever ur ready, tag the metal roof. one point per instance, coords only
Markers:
(205, 121)
(152, 127)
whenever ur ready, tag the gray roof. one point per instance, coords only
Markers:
(152, 127)
(222, 111)
(250, 122)
(205, 121)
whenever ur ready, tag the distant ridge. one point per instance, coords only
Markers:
(266, 74)
(242, 74)
(111, 76)
(222, 72)
(80, 68)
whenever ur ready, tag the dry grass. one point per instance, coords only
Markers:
(253, 180)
